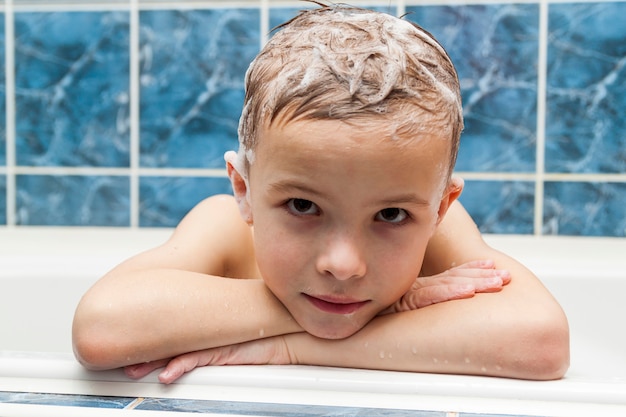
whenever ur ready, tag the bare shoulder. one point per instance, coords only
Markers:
(214, 230)
(211, 239)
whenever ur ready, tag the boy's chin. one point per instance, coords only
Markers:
(331, 332)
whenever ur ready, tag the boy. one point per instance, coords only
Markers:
(343, 179)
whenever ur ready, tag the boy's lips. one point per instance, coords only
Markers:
(335, 306)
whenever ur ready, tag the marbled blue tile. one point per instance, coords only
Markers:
(586, 88)
(65, 400)
(276, 410)
(3, 200)
(73, 200)
(72, 88)
(505, 207)
(192, 69)
(3, 132)
(495, 49)
(164, 201)
(279, 15)
(585, 209)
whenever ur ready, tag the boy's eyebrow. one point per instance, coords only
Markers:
(404, 199)
(408, 198)
(283, 186)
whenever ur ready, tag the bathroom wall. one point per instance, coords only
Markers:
(118, 113)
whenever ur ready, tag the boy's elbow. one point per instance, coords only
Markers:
(89, 350)
(87, 355)
(546, 353)
(91, 342)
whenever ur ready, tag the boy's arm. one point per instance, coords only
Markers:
(173, 299)
(520, 332)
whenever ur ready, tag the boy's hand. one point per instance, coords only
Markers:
(463, 281)
(268, 351)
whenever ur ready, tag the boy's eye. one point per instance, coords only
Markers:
(300, 206)
(392, 215)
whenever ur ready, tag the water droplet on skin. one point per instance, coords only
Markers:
(483, 369)
(467, 360)
(366, 344)
(261, 332)
(498, 368)
(435, 360)
(381, 354)
(414, 350)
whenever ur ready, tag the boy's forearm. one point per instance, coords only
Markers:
(474, 341)
(132, 322)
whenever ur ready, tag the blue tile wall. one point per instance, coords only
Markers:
(73, 200)
(165, 200)
(495, 49)
(122, 115)
(192, 68)
(590, 209)
(72, 89)
(586, 88)
(514, 200)
(3, 135)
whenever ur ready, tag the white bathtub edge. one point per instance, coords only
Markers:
(39, 372)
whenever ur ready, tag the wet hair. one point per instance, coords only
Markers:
(338, 62)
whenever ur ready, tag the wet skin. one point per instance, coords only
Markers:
(342, 217)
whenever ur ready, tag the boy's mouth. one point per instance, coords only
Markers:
(333, 306)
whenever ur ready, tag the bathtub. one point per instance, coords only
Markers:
(44, 272)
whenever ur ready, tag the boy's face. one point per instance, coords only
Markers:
(342, 217)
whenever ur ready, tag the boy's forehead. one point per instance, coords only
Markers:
(362, 133)
(333, 149)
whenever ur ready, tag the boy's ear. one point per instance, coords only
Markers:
(240, 190)
(455, 188)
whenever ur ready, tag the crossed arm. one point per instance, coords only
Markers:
(174, 302)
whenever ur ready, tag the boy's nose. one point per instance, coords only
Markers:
(342, 258)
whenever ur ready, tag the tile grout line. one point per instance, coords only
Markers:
(264, 22)
(400, 8)
(9, 82)
(135, 403)
(134, 115)
(540, 144)
(495, 176)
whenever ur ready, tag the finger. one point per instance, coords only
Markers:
(140, 370)
(464, 276)
(433, 295)
(182, 364)
(492, 284)
(487, 266)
